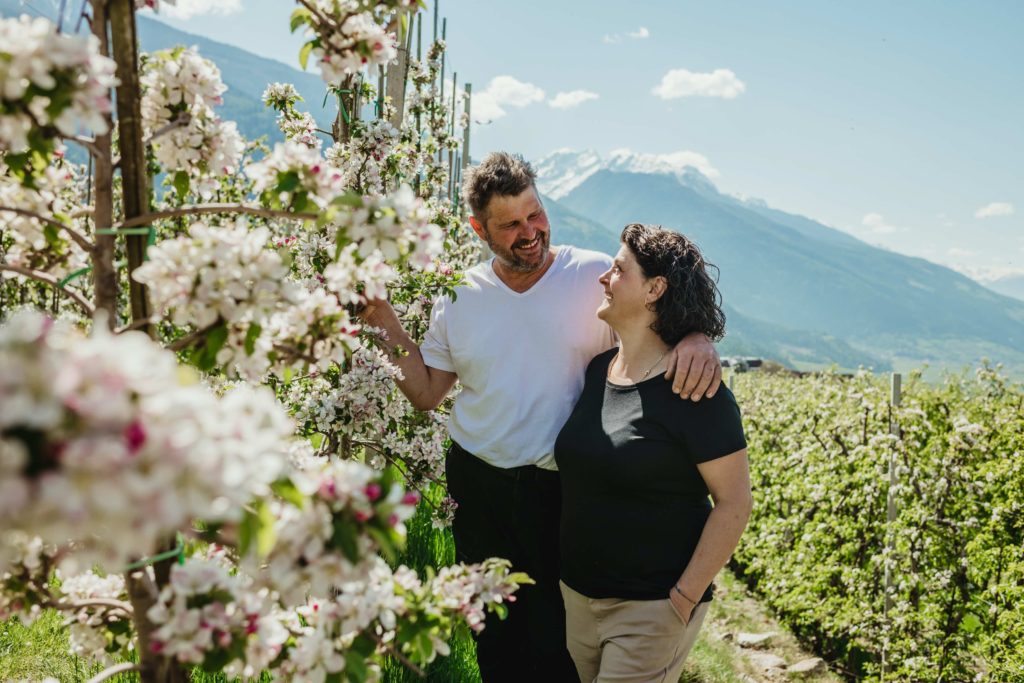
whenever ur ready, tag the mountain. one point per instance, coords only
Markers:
(1007, 285)
(745, 336)
(792, 272)
(246, 75)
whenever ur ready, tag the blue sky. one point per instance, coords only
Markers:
(897, 122)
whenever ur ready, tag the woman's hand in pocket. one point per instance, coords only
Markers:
(681, 606)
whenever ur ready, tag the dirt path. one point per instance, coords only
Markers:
(741, 643)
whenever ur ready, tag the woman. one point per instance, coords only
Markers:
(640, 541)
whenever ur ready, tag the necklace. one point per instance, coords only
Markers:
(656, 364)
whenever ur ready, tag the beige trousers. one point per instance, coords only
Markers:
(628, 641)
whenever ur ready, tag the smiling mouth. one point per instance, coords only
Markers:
(528, 246)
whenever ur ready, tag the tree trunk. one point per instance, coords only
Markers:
(105, 286)
(134, 173)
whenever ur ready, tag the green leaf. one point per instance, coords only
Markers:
(300, 16)
(286, 489)
(304, 54)
(384, 544)
(287, 182)
(52, 234)
(355, 667)
(181, 184)
(251, 335)
(344, 538)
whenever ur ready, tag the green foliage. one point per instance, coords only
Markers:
(819, 543)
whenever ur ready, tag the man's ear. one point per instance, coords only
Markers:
(477, 228)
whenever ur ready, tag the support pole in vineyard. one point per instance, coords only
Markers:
(104, 275)
(134, 174)
(469, 123)
(890, 508)
(398, 71)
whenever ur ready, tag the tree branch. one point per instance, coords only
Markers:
(107, 674)
(78, 237)
(108, 603)
(88, 143)
(53, 281)
(192, 337)
(391, 650)
(197, 209)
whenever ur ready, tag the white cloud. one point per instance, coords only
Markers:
(988, 274)
(960, 254)
(573, 98)
(995, 209)
(186, 9)
(503, 91)
(876, 225)
(682, 83)
(639, 34)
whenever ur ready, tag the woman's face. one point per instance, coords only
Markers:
(627, 292)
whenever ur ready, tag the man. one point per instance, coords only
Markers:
(518, 337)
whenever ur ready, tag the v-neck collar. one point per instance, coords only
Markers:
(536, 285)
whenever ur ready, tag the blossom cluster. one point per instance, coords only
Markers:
(206, 609)
(397, 225)
(39, 244)
(346, 35)
(97, 630)
(230, 279)
(373, 155)
(53, 83)
(102, 445)
(325, 542)
(295, 176)
(180, 89)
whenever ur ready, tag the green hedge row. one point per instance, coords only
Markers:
(819, 541)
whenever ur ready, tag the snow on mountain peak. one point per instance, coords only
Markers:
(562, 171)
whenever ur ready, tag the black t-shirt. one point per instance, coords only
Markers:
(633, 502)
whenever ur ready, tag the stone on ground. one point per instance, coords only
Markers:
(813, 665)
(767, 661)
(754, 639)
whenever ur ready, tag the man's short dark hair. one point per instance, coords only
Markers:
(691, 301)
(500, 173)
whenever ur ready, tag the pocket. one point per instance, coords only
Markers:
(675, 611)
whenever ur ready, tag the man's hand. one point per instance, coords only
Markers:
(695, 366)
(375, 312)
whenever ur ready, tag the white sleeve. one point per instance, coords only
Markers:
(434, 349)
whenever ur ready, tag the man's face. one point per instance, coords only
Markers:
(517, 231)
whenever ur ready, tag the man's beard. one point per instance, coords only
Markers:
(509, 259)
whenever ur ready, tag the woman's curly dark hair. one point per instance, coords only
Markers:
(691, 301)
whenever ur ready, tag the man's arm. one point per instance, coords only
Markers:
(697, 369)
(424, 386)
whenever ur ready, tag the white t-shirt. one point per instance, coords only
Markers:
(520, 357)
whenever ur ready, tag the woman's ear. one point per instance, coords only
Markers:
(657, 286)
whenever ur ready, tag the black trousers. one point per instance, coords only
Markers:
(513, 513)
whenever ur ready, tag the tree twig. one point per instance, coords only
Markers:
(53, 281)
(406, 662)
(78, 237)
(109, 673)
(192, 337)
(88, 143)
(197, 209)
(108, 603)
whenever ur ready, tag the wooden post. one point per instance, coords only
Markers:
(134, 172)
(104, 275)
(469, 123)
(398, 74)
(890, 507)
